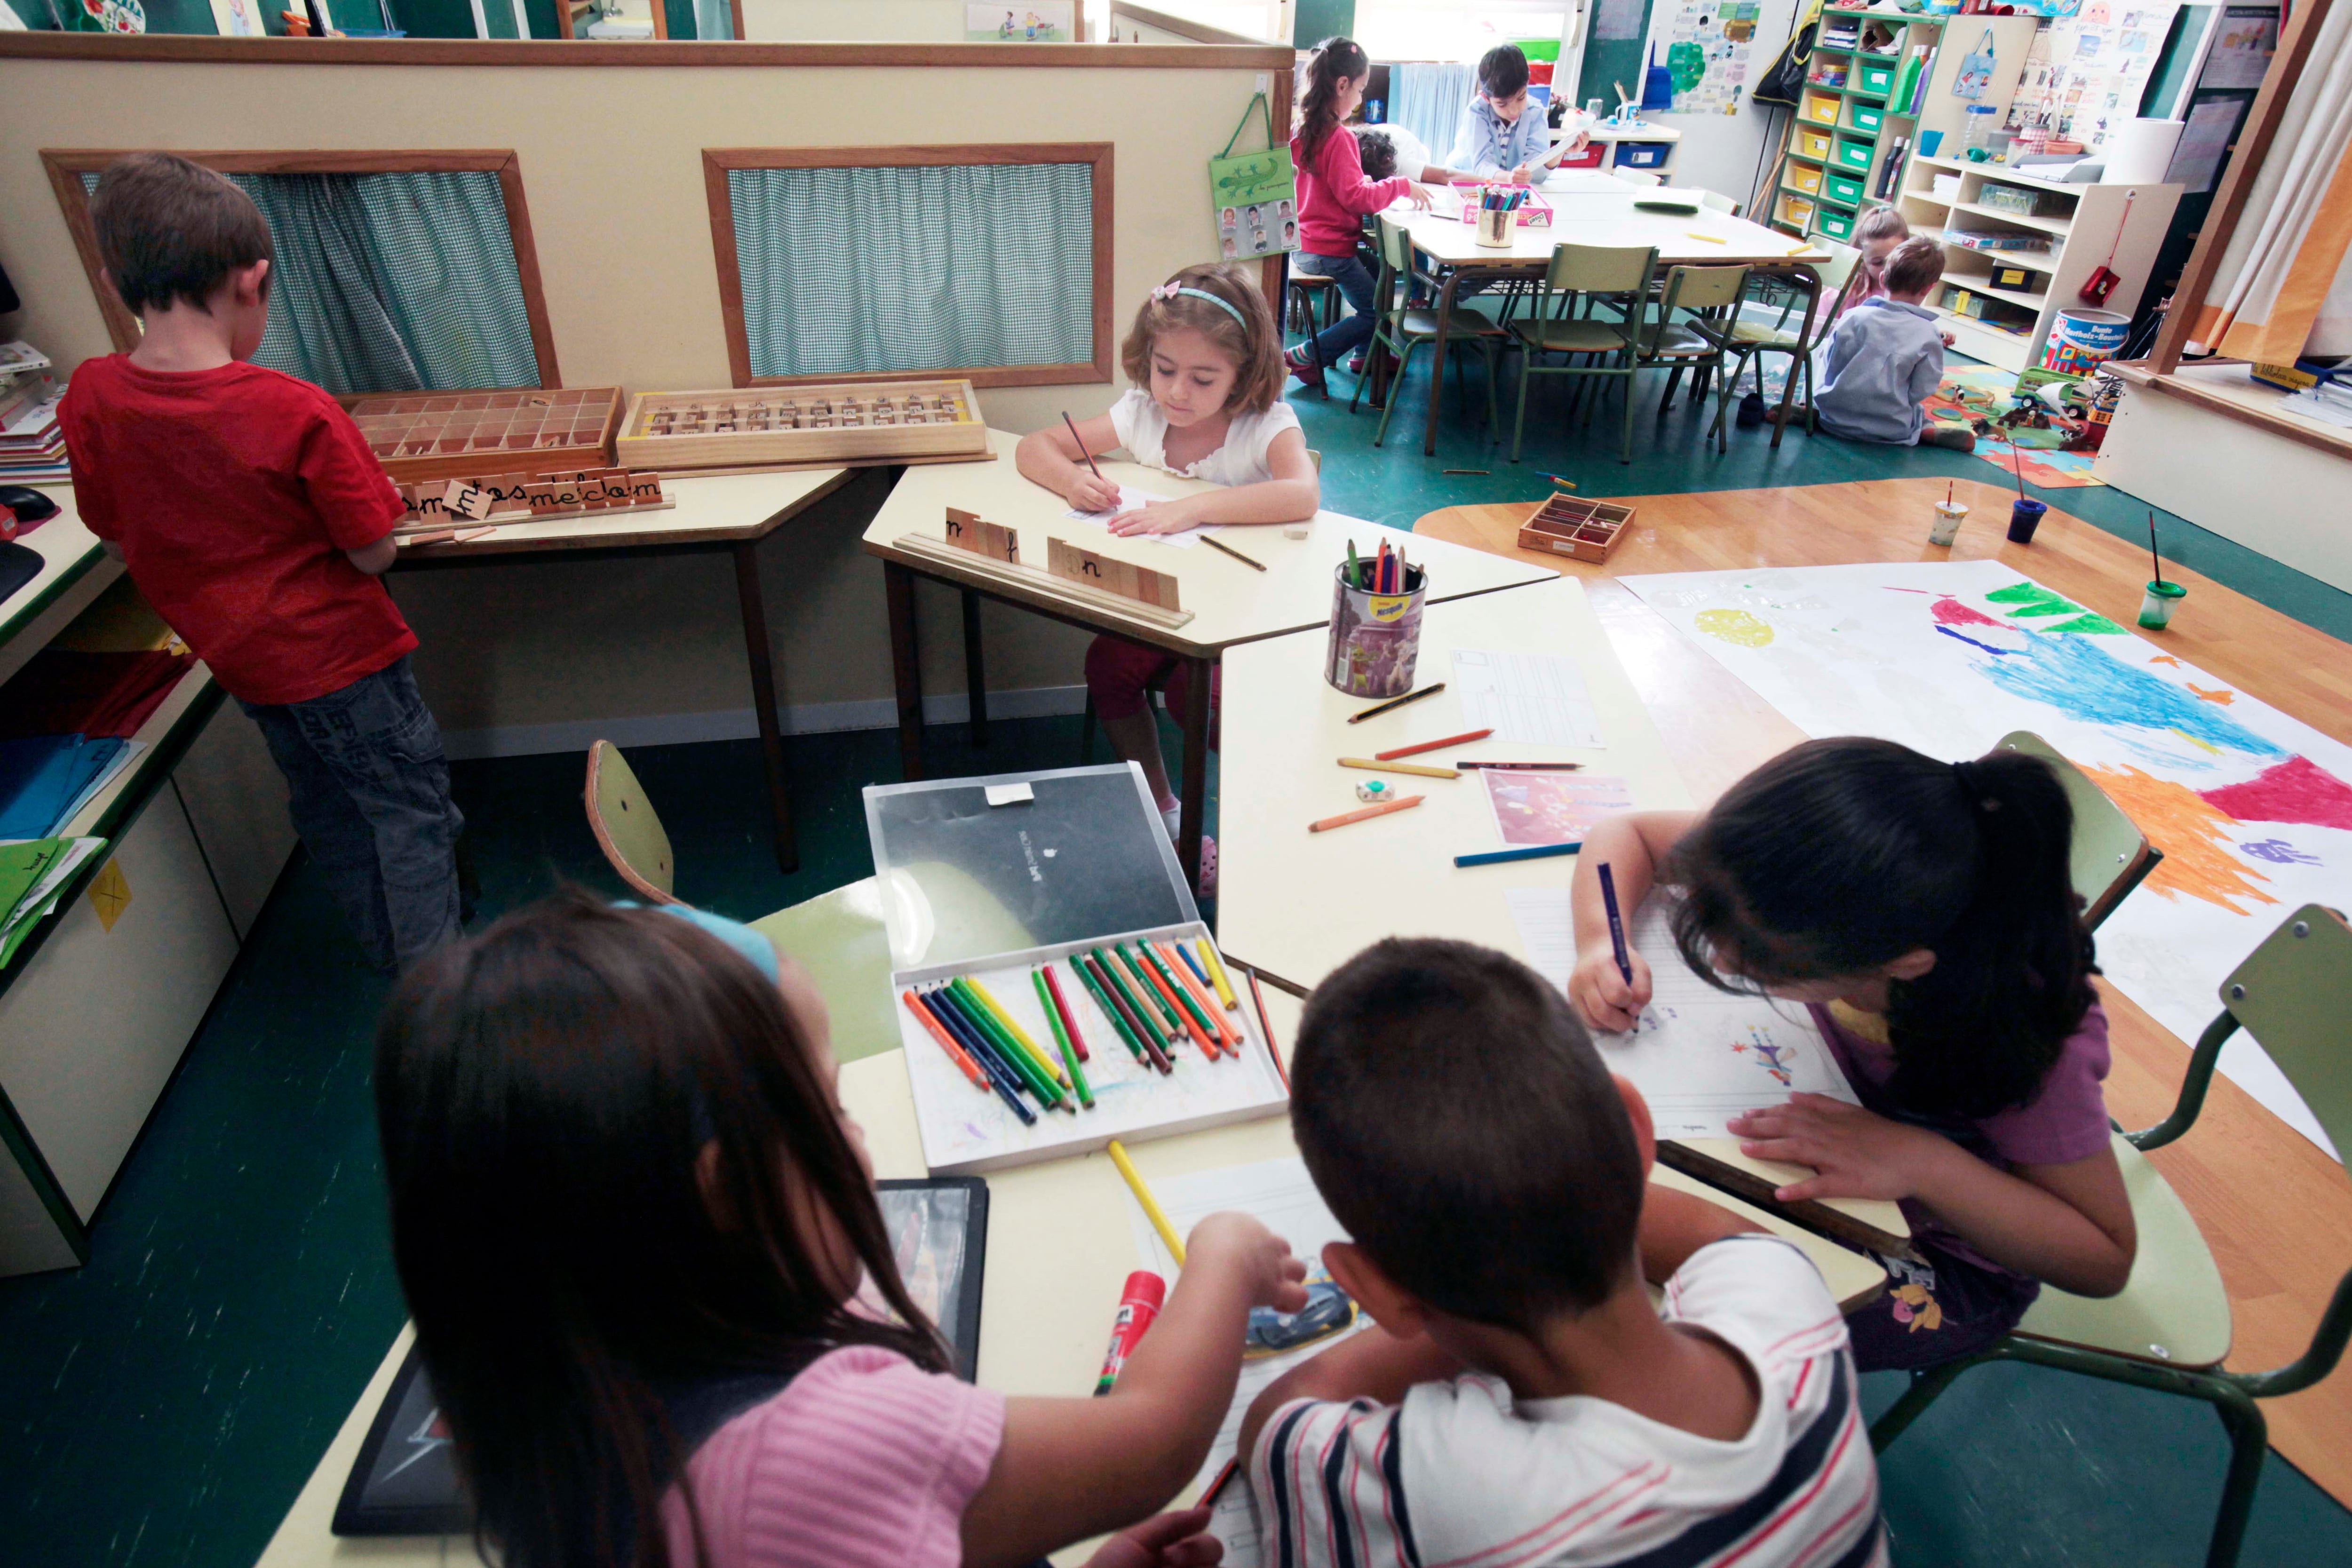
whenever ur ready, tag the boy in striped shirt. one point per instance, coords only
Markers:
(1527, 1403)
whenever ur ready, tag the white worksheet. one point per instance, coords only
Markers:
(1526, 699)
(1699, 1055)
(1131, 500)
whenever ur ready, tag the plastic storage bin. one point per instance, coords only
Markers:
(1590, 157)
(1806, 178)
(1853, 155)
(1875, 80)
(1822, 108)
(1843, 189)
(1812, 143)
(1835, 224)
(2020, 201)
(1861, 116)
(1643, 154)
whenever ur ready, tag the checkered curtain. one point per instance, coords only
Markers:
(940, 268)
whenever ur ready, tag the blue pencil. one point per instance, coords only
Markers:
(1616, 923)
(1529, 852)
(943, 1005)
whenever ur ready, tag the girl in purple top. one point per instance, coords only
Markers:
(1924, 913)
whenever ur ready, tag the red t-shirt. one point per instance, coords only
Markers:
(234, 493)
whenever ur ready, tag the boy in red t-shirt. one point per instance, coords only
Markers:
(254, 518)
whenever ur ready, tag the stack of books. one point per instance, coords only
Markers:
(32, 444)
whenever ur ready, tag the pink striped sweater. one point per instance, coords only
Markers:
(865, 1462)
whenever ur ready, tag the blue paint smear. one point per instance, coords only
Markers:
(1973, 642)
(2077, 676)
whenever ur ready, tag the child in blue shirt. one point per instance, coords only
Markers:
(1887, 355)
(1498, 139)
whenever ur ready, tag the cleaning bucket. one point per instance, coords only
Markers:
(2082, 340)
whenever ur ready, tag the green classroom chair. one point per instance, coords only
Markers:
(1617, 276)
(837, 937)
(1754, 340)
(1402, 326)
(2112, 856)
(2169, 1329)
(1712, 295)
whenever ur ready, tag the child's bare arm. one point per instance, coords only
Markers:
(1049, 457)
(1630, 844)
(1070, 1468)
(1293, 495)
(1373, 1365)
(375, 558)
(1677, 1224)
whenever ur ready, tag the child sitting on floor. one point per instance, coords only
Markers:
(1205, 363)
(1523, 1402)
(1885, 356)
(654, 1294)
(1924, 912)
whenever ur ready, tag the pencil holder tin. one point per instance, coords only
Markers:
(1375, 637)
(2024, 517)
(2157, 604)
(1494, 227)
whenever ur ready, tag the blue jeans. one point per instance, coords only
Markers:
(371, 799)
(1355, 279)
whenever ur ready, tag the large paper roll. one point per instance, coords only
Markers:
(2140, 152)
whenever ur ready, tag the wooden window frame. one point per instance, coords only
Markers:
(718, 160)
(66, 167)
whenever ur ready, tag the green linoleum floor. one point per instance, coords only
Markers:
(163, 1404)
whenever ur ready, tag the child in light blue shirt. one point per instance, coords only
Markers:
(1887, 355)
(1501, 136)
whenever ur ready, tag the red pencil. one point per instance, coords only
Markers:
(1200, 1038)
(1265, 1026)
(1464, 738)
(1069, 1019)
(1209, 1008)
(1366, 814)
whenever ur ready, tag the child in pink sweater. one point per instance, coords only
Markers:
(657, 1301)
(1333, 197)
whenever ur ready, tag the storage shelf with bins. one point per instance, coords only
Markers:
(2008, 318)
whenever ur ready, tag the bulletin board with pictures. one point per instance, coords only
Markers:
(2087, 72)
(1704, 46)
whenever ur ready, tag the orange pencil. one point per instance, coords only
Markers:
(1369, 812)
(1266, 1025)
(1464, 738)
(1209, 1008)
(1183, 1013)
(956, 1052)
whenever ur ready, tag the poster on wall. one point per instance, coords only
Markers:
(2242, 47)
(2099, 64)
(1040, 22)
(1704, 45)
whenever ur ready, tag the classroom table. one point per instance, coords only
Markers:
(1596, 212)
(1230, 603)
(1060, 1245)
(730, 512)
(1295, 905)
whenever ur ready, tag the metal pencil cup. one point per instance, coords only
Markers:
(1494, 227)
(1375, 637)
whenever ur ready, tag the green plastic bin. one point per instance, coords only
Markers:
(1843, 189)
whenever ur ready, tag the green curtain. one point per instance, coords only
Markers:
(328, 318)
(934, 268)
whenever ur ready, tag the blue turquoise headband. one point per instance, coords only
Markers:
(1170, 291)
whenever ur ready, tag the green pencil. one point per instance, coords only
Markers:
(1355, 567)
(1143, 984)
(1048, 1093)
(1176, 989)
(1142, 1014)
(1062, 1038)
(1108, 1011)
(1005, 1020)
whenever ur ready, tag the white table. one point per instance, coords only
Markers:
(1231, 603)
(1060, 1245)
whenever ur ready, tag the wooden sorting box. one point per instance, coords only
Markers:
(851, 423)
(420, 436)
(1586, 530)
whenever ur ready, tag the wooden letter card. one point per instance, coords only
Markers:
(967, 531)
(1124, 578)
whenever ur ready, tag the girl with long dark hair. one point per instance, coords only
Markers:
(1923, 911)
(655, 1298)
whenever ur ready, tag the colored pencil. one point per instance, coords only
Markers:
(1563, 483)
(1179, 986)
(1103, 1001)
(1000, 1077)
(1196, 985)
(1020, 1036)
(1265, 1028)
(1616, 923)
(1464, 738)
(1344, 818)
(1355, 567)
(956, 1052)
(1192, 962)
(1069, 1017)
(1081, 442)
(1419, 770)
(1097, 973)
(1186, 1018)
(1524, 852)
(1229, 550)
(975, 1017)
(1217, 973)
(1151, 992)
(1377, 709)
(1137, 1014)
(1069, 1057)
(1152, 1209)
(1518, 767)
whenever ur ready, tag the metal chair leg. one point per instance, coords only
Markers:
(2249, 1442)
(1404, 363)
(1925, 1386)
(1519, 424)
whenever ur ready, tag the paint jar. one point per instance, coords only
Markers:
(2024, 517)
(1494, 227)
(2157, 604)
(1375, 637)
(1950, 515)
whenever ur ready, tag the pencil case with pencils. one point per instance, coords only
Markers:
(1375, 630)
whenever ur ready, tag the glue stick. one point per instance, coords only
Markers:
(1138, 1304)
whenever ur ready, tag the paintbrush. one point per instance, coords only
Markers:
(2152, 555)
(2017, 463)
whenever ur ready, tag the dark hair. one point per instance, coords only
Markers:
(1842, 854)
(172, 230)
(1380, 154)
(1913, 266)
(1253, 340)
(1335, 60)
(550, 1095)
(1503, 71)
(1457, 1120)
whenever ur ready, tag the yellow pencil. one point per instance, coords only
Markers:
(1152, 1209)
(1020, 1035)
(1217, 975)
(1414, 768)
(1710, 238)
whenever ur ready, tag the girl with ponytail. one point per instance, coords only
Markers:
(1923, 912)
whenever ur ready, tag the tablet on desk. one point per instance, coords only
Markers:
(405, 1480)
